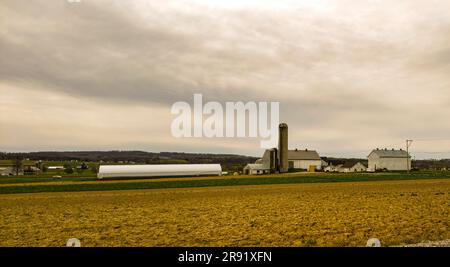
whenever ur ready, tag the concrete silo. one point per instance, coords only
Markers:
(273, 160)
(283, 148)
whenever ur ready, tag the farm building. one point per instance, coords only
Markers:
(251, 169)
(332, 168)
(392, 160)
(160, 170)
(281, 159)
(297, 159)
(6, 171)
(304, 159)
(346, 167)
(358, 167)
(26, 169)
(31, 170)
(55, 168)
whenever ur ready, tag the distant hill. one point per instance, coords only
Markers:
(229, 162)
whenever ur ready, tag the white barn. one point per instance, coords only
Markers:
(391, 160)
(303, 159)
(158, 170)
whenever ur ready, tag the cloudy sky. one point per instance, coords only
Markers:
(103, 74)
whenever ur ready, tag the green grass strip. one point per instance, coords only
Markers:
(329, 178)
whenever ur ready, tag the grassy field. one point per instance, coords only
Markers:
(319, 214)
(28, 184)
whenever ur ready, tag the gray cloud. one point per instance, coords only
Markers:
(378, 69)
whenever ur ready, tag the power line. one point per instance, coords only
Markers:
(432, 139)
(408, 144)
(431, 152)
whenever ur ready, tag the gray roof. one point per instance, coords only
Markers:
(303, 155)
(350, 164)
(389, 153)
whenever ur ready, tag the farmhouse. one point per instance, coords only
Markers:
(332, 168)
(392, 160)
(358, 167)
(352, 167)
(346, 167)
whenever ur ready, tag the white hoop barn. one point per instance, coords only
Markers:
(161, 170)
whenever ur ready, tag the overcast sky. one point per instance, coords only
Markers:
(350, 76)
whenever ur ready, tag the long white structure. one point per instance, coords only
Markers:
(153, 170)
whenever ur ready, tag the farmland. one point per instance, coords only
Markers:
(308, 214)
(70, 183)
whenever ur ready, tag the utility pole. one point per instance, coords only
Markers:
(408, 144)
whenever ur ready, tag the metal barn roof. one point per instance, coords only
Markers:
(389, 153)
(349, 164)
(303, 155)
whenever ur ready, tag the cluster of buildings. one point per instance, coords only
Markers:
(296, 159)
(281, 159)
(26, 168)
(274, 160)
(11, 170)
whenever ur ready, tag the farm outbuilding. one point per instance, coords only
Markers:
(351, 167)
(55, 168)
(6, 171)
(358, 167)
(389, 159)
(160, 170)
(256, 168)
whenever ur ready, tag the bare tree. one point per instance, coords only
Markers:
(17, 164)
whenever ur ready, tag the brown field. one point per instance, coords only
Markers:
(332, 214)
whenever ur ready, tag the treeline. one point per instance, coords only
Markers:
(82, 155)
(229, 162)
(421, 164)
(431, 164)
(337, 161)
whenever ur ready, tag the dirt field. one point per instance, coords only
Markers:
(332, 214)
